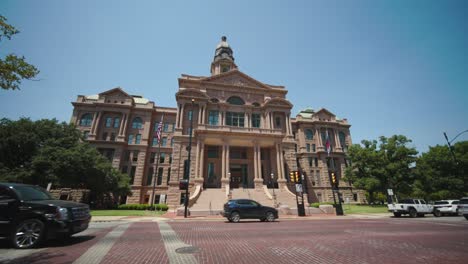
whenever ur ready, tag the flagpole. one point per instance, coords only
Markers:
(159, 130)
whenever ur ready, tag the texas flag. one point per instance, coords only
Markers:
(327, 143)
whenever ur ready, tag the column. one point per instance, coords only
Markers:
(337, 139)
(281, 172)
(319, 137)
(197, 158)
(181, 116)
(255, 161)
(204, 115)
(223, 162)
(202, 159)
(97, 122)
(125, 126)
(199, 114)
(259, 161)
(227, 161)
(177, 115)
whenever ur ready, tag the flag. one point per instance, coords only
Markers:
(327, 143)
(159, 130)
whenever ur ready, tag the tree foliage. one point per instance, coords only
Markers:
(379, 165)
(439, 175)
(13, 68)
(47, 151)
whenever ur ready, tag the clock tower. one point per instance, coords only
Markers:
(223, 60)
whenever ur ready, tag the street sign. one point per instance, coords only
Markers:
(299, 188)
(390, 191)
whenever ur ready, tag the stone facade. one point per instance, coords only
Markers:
(242, 136)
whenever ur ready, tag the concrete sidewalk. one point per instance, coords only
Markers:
(172, 216)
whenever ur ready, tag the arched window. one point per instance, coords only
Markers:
(235, 100)
(86, 120)
(137, 123)
(309, 134)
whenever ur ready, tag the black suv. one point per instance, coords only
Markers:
(29, 215)
(237, 209)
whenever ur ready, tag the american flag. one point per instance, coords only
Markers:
(327, 143)
(159, 130)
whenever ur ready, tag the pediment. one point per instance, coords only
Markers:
(236, 78)
(279, 102)
(116, 93)
(324, 114)
(191, 93)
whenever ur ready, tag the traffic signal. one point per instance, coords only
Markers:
(291, 176)
(183, 184)
(297, 177)
(334, 180)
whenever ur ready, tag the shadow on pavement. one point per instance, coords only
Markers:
(5, 244)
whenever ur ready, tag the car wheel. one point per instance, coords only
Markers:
(270, 217)
(413, 213)
(437, 213)
(235, 217)
(397, 214)
(28, 234)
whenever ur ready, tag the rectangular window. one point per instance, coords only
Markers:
(130, 139)
(308, 147)
(108, 121)
(127, 155)
(164, 141)
(166, 127)
(278, 122)
(238, 154)
(213, 117)
(132, 174)
(211, 172)
(154, 143)
(173, 127)
(170, 159)
(138, 139)
(104, 136)
(235, 119)
(112, 138)
(190, 115)
(310, 162)
(168, 176)
(152, 157)
(316, 162)
(172, 142)
(255, 120)
(162, 157)
(313, 148)
(149, 177)
(212, 152)
(116, 122)
(160, 175)
(135, 155)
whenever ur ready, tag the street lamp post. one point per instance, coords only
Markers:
(186, 202)
(273, 186)
(450, 141)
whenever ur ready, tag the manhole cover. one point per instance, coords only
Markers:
(187, 250)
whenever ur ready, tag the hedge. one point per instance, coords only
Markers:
(159, 207)
(316, 205)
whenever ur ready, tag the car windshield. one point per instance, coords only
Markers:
(32, 193)
(441, 202)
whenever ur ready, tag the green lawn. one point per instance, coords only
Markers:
(125, 213)
(364, 209)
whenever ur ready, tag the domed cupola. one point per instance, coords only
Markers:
(223, 60)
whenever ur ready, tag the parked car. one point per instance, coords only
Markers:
(463, 207)
(29, 215)
(237, 209)
(412, 207)
(446, 207)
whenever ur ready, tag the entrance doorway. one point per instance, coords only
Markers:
(239, 176)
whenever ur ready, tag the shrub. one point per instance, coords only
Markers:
(316, 205)
(160, 207)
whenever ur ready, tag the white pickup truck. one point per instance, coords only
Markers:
(413, 207)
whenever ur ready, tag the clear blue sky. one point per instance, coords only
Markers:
(390, 67)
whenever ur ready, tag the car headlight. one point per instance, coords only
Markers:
(62, 213)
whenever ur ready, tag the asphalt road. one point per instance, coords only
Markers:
(346, 240)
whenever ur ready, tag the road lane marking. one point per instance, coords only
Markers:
(171, 243)
(97, 252)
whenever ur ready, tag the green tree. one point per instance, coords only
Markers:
(379, 165)
(439, 176)
(13, 69)
(47, 151)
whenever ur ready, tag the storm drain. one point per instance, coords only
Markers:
(187, 250)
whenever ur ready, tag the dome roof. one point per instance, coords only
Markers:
(223, 43)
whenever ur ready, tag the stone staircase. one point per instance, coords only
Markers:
(210, 202)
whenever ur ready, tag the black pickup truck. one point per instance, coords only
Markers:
(29, 215)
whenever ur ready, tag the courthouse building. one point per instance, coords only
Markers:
(244, 140)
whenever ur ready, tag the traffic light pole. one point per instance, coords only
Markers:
(335, 188)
